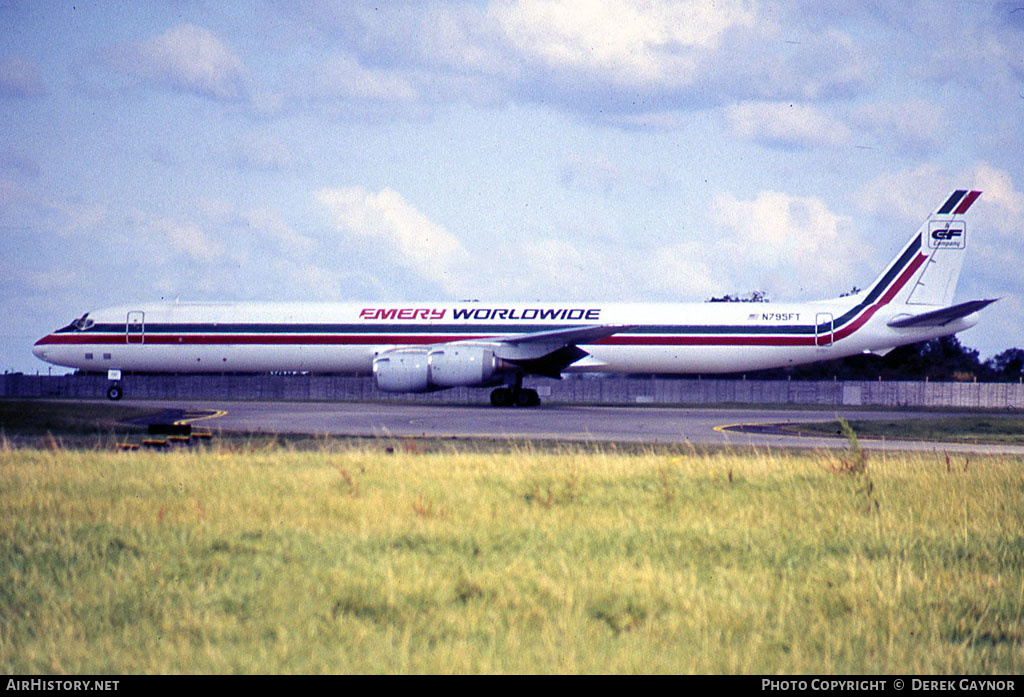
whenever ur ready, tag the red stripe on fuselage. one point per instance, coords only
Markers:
(697, 340)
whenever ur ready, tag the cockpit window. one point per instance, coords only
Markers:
(83, 323)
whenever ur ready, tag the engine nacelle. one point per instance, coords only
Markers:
(461, 366)
(402, 370)
(423, 370)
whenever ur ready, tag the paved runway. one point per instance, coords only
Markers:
(570, 423)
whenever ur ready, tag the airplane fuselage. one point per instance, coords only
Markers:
(336, 337)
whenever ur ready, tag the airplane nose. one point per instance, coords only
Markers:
(39, 351)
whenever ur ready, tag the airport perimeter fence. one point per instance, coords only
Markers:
(576, 390)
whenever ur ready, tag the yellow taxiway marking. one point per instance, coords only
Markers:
(202, 416)
(726, 427)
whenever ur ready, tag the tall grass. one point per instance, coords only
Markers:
(574, 561)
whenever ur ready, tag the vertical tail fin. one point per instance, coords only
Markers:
(926, 271)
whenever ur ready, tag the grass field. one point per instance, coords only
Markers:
(271, 560)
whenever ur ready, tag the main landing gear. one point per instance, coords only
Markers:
(515, 395)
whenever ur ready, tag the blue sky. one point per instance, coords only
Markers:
(527, 149)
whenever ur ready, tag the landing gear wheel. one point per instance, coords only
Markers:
(527, 398)
(501, 397)
(511, 397)
(114, 392)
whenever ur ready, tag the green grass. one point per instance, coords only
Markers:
(585, 560)
(958, 429)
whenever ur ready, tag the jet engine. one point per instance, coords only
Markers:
(402, 370)
(427, 369)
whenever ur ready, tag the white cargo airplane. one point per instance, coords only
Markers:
(421, 347)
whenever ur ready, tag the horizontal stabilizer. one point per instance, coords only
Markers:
(940, 318)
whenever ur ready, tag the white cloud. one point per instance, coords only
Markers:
(619, 42)
(79, 218)
(788, 245)
(650, 120)
(315, 280)
(914, 126)
(260, 232)
(591, 170)
(999, 190)
(635, 64)
(218, 210)
(1000, 210)
(342, 77)
(908, 195)
(786, 125)
(623, 60)
(464, 39)
(262, 153)
(823, 65)
(19, 78)
(911, 194)
(555, 263)
(685, 270)
(185, 238)
(569, 268)
(64, 216)
(405, 235)
(186, 58)
(13, 194)
(983, 48)
(19, 161)
(269, 222)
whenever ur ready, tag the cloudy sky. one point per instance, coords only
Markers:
(512, 149)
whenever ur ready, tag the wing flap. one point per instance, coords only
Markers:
(552, 364)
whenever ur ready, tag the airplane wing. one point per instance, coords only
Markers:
(940, 318)
(576, 335)
(551, 351)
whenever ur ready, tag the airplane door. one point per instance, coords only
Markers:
(824, 325)
(135, 327)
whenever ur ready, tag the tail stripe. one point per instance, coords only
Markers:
(953, 200)
(966, 203)
(909, 253)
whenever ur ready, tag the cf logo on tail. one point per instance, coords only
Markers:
(946, 236)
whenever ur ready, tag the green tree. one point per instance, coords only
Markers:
(1008, 365)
